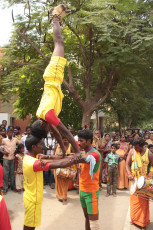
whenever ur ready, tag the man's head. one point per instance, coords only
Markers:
(79, 129)
(139, 144)
(113, 148)
(34, 144)
(40, 129)
(17, 130)
(107, 137)
(150, 147)
(130, 138)
(3, 132)
(28, 130)
(97, 133)
(85, 139)
(151, 136)
(4, 123)
(146, 137)
(117, 132)
(10, 133)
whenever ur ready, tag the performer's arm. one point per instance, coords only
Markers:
(58, 138)
(67, 134)
(128, 165)
(44, 165)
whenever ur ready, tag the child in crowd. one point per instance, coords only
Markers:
(112, 160)
(19, 167)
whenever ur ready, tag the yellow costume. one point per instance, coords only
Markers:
(52, 95)
(139, 207)
(33, 194)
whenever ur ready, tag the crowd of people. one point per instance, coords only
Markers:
(113, 148)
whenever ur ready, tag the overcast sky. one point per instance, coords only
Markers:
(6, 25)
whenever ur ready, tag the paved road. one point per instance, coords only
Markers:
(114, 213)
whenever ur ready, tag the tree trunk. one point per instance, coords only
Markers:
(86, 118)
(97, 119)
(129, 123)
(120, 124)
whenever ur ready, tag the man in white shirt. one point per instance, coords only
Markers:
(9, 147)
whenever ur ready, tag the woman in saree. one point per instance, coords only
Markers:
(122, 174)
(137, 163)
(62, 184)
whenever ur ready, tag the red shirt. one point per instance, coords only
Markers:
(4, 216)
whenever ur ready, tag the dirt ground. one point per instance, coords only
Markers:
(114, 211)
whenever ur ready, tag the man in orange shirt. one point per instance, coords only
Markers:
(89, 180)
(9, 145)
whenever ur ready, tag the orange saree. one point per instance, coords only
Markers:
(122, 174)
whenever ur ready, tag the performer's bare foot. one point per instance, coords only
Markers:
(58, 12)
(114, 195)
(64, 202)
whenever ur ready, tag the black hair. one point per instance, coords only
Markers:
(139, 141)
(30, 141)
(106, 134)
(10, 130)
(38, 130)
(28, 127)
(114, 145)
(19, 147)
(150, 146)
(86, 134)
(17, 127)
(146, 143)
(1, 128)
(80, 128)
(10, 126)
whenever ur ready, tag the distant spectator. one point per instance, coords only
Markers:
(3, 132)
(17, 133)
(19, 154)
(150, 147)
(146, 145)
(9, 147)
(150, 141)
(23, 139)
(136, 135)
(146, 138)
(76, 136)
(4, 124)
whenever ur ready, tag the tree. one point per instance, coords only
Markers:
(106, 42)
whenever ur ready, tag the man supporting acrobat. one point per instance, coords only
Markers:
(51, 101)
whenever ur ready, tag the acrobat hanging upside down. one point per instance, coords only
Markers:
(51, 101)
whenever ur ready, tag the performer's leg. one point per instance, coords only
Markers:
(87, 224)
(58, 40)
